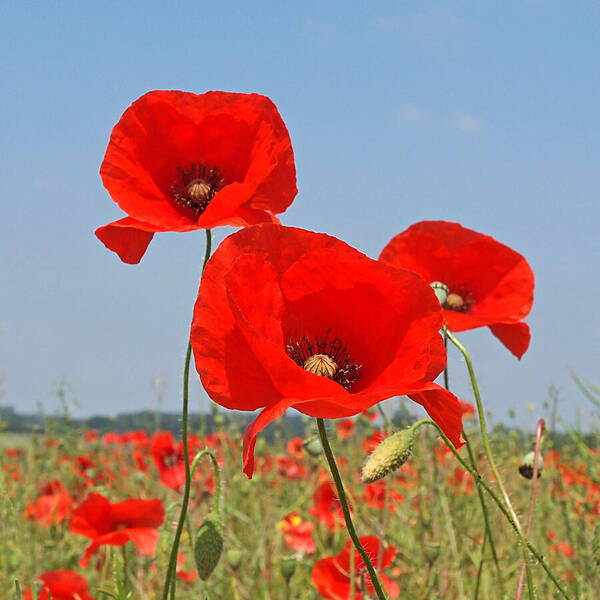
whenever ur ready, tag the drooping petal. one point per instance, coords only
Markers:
(127, 237)
(445, 409)
(269, 414)
(515, 336)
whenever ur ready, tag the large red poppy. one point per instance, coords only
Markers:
(331, 575)
(61, 585)
(115, 524)
(290, 318)
(489, 283)
(178, 161)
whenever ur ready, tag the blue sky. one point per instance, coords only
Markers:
(482, 113)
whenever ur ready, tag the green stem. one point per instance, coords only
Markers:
(170, 578)
(492, 462)
(346, 510)
(488, 530)
(539, 557)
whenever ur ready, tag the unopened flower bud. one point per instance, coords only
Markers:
(313, 446)
(208, 545)
(526, 466)
(234, 558)
(441, 291)
(287, 567)
(390, 455)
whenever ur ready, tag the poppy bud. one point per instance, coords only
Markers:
(313, 446)
(390, 455)
(526, 466)
(441, 291)
(208, 545)
(234, 558)
(287, 567)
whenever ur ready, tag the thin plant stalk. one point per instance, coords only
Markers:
(538, 556)
(346, 510)
(488, 452)
(170, 578)
(488, 530)
(539, 432)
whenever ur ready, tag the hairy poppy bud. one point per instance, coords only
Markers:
(287, 567)
(441, 291)
(234, 558)
(526, 466)
(390, 455)
(208, 545)
(313, 446)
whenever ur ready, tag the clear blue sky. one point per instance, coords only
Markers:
(486, 113)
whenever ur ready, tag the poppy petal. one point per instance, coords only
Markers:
(445, 409)
(128, 237)
(515, 336)
(268, 414)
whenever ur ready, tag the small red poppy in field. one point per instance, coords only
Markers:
(298, 534)
(287, 318)
(488, 283)
(61, 585)
(115, 524)
(294, 447)
(375, 495)
(327, 508)
(331, 575)
(345, 429)
(178, 161)
(53, 505)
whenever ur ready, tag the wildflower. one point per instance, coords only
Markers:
(287, 318)
(61, 585)
(331, 575)
(298, 534)
(178, 161)
(115, 524)
(488, 283)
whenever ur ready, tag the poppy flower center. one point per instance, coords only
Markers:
(452, 300)
(326, 356)
(195, 186)
(321, 364)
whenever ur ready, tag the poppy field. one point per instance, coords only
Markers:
(369, 502)
(99, 509)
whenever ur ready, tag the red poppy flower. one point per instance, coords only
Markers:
(489, 284)
(178, 161)
(290, 318)
(52, 506)
(345, 429)
(331, 575)
(298, 534)
(327, 508)
(61, 585)
(115, 524)
(375, 495)
(294, 447)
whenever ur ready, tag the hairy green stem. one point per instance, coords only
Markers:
(346, 510)
(538, 556)
(488, 530)
(170, 578)
(488, 452)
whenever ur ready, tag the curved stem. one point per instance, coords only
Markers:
(346, 510)
(170, 578)
(492, 462)
(539, 557)
(488, 530)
